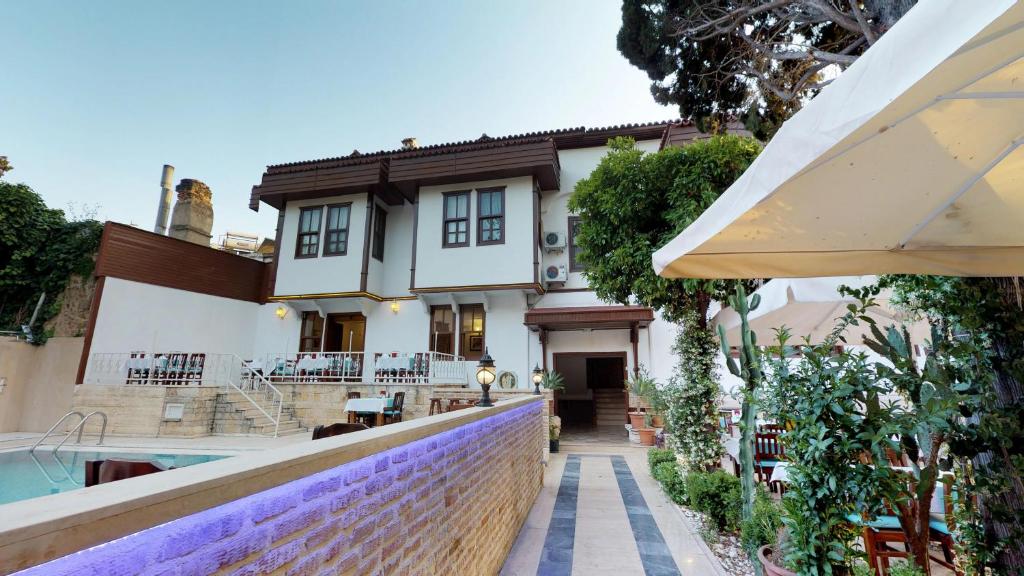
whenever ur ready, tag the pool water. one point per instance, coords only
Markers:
(25, 475)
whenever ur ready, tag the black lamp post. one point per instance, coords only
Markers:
(485, 377)
(538, 377)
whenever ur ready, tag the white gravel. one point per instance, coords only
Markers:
(726, 546)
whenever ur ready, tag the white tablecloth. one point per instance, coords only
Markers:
(395, 363)
(732, 448)
(366, 404)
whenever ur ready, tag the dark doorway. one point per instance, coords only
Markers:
(593, 392)
(345, 333)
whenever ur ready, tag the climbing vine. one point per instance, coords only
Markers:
(693, 393)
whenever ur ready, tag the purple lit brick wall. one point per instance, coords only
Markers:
(451, 503)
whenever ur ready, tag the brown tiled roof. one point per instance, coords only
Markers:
(564, 138)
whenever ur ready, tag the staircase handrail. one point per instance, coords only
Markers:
(264, 386)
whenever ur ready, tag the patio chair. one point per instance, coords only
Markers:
(941, 530)
(767, 453)
(395, 413)
(111, 470)
(337, 429)
(352, 395)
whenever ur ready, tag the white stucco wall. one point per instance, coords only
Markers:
(576, 165)
(508, 263)
(323, 273)
(136, 316)
(391, 278)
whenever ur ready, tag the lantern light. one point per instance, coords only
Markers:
(395, 307)
(485, 376)
(281, 312)
(538, 376)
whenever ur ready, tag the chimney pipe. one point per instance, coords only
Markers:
(163, 209)
(410, 144)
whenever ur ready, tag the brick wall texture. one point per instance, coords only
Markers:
(451, 503)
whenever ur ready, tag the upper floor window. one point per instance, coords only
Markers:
(336, 235)
(456, 219)
(574, 227)
(380, 222)
(307, 244)
(490, 216)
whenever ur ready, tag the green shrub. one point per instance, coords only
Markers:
(718, 495)
(763, 524)
(671, 480)
(656, 456)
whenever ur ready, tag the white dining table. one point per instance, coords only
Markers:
(395, 363)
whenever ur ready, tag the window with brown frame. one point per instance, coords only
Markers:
(490, 222)
(472, 330)
(336, 233)
(311, 332)
(456, 219)
(442, 329)
(307, 243)
(574, 264)
(380, 222)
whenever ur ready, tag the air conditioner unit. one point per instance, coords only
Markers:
(555, 275)
(554, 241)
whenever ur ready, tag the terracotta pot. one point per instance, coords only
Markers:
(657, 421)
(646, 436)
(636, 420)
(764, 554)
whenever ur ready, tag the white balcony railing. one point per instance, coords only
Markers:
(208, 369)
(363, 368)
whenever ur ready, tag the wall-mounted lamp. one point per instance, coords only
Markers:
(395, 307)
(281, 312)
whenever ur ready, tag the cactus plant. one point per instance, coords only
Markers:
(748, 369)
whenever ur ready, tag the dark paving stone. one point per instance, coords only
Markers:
(654, 553)
(556, 558)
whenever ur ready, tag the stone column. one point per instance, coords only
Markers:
(192, 218)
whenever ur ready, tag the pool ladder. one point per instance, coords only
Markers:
(79, 428)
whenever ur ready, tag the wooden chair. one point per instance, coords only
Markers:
(395, 413)
(337, 429)
(111, 470)
(435, 406)
(767, 453)
(941, 531)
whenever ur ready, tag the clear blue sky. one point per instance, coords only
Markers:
(96, 96)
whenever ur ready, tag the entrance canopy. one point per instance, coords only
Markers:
(911, 161)
(589, 317)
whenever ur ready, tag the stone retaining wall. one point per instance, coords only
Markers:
(444, 495)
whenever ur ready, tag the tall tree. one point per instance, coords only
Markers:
(759, 58)
(633, 203)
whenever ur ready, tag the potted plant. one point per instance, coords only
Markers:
(658, 405)
(554, 431)
(639, 386)
(555, 382)
(772, 556)
(646, 432)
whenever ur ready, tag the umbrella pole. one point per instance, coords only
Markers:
(749, 369)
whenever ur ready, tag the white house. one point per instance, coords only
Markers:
(407, 265)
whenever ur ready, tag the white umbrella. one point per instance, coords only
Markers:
(909, 162)
(809, 306)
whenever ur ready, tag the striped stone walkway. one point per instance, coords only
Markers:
(599, 513)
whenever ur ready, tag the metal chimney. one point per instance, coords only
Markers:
(163, 209)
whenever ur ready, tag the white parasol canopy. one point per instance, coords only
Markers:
(809, 307)
(911, 161)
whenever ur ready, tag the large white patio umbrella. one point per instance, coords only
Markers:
(909, 162)
(808, 307)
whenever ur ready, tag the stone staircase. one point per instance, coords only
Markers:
(234, 415)
(610, 405)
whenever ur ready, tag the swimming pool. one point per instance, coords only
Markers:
(25, 475)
